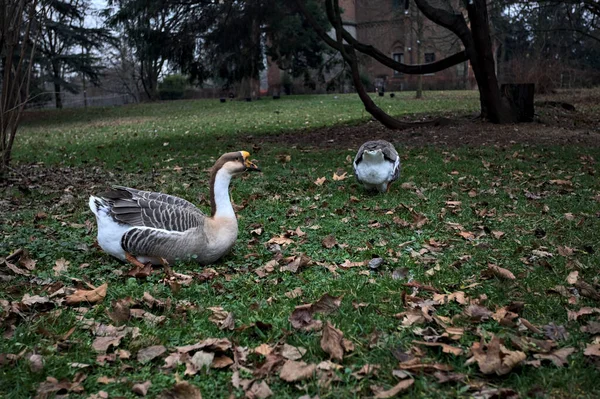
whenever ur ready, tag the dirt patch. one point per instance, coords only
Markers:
(553, 126)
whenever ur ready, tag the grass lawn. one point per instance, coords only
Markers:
(531, 210)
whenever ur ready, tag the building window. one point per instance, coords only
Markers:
(396, 4)
(429, 58)
(398, 57)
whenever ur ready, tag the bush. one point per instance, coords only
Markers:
(172, 87)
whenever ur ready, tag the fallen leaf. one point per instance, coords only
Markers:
(147, 354)
(555, 333)
(449, 377)
(302, 318)
(263, 349)
(331, 341)
(105, 380)
(320, 181)
(445, 347)
(558, 357)
(495, 358)
(209, 344)
(295, 293)
(339, 175)
(101, 344)
(587, 290)
(390, 393)
(259, 391)
(574, 315)
(295, 263)
(201, 359)
(498, 234)
(221, 362)
(292, 352)
(477, 313)
(329, 241)
(592, 327)
(181, 390)
(141, 388)
(222, 318)
(572, 277)
(60, 266)
(592, 350)
(90, 296)
(347, 264)
(501, 272)
(36, 363)
(280, 240)
(467, 235)
(119, 312)
(327, 304)
(267, 268)
(296, 371)
(564, 251)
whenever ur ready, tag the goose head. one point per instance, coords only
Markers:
(235, 163)
(373, 155)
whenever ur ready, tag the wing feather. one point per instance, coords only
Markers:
(150, 209)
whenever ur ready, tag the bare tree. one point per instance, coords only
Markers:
(474, 36)
(18, 38)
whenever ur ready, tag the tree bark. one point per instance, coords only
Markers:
(56, 78)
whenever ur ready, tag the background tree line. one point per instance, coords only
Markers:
(51, 46)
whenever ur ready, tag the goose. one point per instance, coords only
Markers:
(377, 165)
(142, 226)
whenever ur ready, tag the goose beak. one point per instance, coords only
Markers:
(248, 163)
(251, 166)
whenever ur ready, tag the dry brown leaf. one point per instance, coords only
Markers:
(390, 393)
(90, 296)
(36, 362)
(498, 234)
(339, 175)
(209, 344)
(101, 344)
(296, 371)
(495, 359)
(327, 304)
(222, 318)
(221, 362)
(259, 391)
(445, 347)
(331, 341)
(564, 251)
(573, 277)
(320, 181)
(558, 357)
(467, 235)
(477, 313)
(267, 268)
(295, 293)
(501, 272)
(141, 388)
(329, 241)
(281, 240)
(60, 266)
(181, 390)
(119, 312)
(592, 350)
(295, 263)
(302, 318)
(201, 359)
(347, 264)
(292, 352)
(147, 354)
(263, 349)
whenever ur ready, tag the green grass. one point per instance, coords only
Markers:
(129, 143)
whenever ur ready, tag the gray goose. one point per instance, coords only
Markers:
(143, 226)
(377, 165)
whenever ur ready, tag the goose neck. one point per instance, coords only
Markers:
(220, 203)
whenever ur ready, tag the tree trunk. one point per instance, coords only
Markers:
(482, 60)
(419, 18)
(56, 77)
(520, 98)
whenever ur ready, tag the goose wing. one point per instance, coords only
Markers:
(149, 209)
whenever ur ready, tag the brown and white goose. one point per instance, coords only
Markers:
(143, 226)
(377, 165)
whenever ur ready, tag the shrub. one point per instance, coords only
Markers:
(172, 87)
